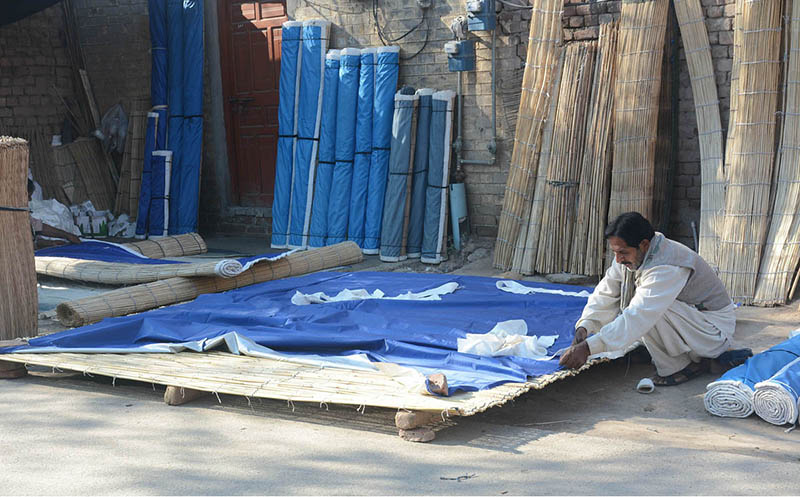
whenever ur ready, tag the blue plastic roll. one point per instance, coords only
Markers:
(386, 73)
(315, 44)
(327, 153)
(346, 109)
(358, 191)
(145, 192)
(158, 72)
(287, 130)
(185, 187)
(159, 201)
(175, 54)
(419, 180)
(394, 230)
(434, 237)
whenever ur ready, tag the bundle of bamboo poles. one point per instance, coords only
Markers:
(528, 240)
(782, 250)
(541, 61)
(130, 176)
(18, 298)
(709, 127)
(641, 48)
(734, 101)
(170, 291)
(565, 162)
(66, 172)
(117, 273)
(589, 240)
(42, 165)
(169, 246)
(93, 167)
(750, 174)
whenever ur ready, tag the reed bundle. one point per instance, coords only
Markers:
(92, 164)
(641, 49)
(116, 273)
(750, 174)
(130, 176)
(589, 239)
(709, 126)
(169, 246)
(541, 61)
(734, 101)
(566, 159)
(140, 298)
(66, 172)
(41, 160)
(782, 249)
(528, 240)
(18, 295)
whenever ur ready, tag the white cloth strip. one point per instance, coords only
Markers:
(508, 338)
(514, 287)
(362, 294)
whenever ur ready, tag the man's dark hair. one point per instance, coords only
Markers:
(631, 227)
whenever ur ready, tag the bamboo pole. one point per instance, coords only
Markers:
(169, 246)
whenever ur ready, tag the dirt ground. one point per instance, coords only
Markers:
(598, 406)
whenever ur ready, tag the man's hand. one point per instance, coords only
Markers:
(580, 335)
(575, 356)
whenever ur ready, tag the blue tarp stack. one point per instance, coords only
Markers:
(416, 216)
(394, 231)
(160, 179)
(327, 153)
(176, 92)
(288, 93)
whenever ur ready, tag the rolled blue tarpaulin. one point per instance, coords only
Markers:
(145, 190)
(185, 187)
(386, 74)
(394, 230)
(776, 399)
(158, 72)
(314, 46)
(159, 202)
(288, 94)
(175, 55)
(327, 152)
(434, 239)
(361, 163)
(732, 394)
(419, 180)
(346, 109)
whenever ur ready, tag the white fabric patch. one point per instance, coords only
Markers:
(505, 339)
(514, 287)
(362, 294)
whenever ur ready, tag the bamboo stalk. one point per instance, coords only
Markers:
(90, 161)
(170, 291)
(750, 173)
(170, 246)
(544, 38)
(18, 297)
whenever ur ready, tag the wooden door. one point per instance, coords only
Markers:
(250, 52)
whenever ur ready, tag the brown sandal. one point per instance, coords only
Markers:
(693, 370)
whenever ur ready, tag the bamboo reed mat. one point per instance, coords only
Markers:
(170, 246)
(139, 298)
(641, 49)
(542, 57)
(709, 126)
(225, 373)
(750, 174)
(18, 298)
(782, 249)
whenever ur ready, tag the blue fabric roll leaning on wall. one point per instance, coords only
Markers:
(160, 186)
(419, 180)
(327, 154)
(289, 85)
(358, 191)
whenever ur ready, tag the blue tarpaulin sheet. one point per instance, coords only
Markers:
(386, 74)
(158, 72)
(394, 231)
(418, 334)
(145, 193)
(315, 44)
(160, 197)
(419, 181)
(289, 84)
(346, 108)
(318, 230)
(175, 98)
(762, 366)
(434, 236)
(185, 183)
(358, 191)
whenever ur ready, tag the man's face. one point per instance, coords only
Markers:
(630, 257)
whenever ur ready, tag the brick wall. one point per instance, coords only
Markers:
(581, 21)
(34, 58)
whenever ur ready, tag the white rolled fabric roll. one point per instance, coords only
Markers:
(774, 403)
(729, 399)
(228, 268)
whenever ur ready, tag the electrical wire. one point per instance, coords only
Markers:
(515, 5)
(387, 40)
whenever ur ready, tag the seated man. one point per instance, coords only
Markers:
(662, 293)
(55, 236)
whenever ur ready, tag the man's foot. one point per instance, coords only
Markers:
(693, 370)
(730, 359)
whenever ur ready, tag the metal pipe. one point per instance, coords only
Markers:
(492, 146)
